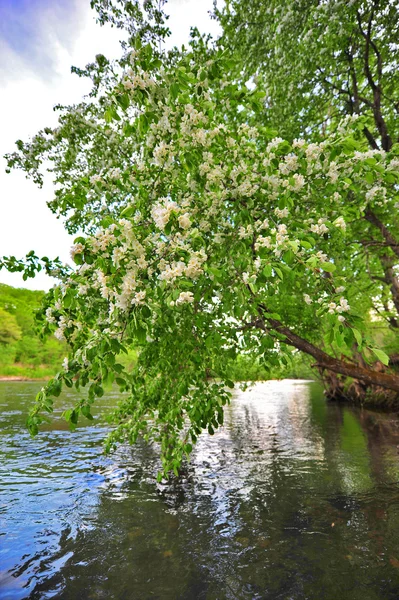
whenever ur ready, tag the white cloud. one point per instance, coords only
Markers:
(33, 33)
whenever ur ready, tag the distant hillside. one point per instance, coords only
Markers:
(22, 353)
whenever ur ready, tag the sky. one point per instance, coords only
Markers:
(39, 41)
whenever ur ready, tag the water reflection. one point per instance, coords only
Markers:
(292, 499)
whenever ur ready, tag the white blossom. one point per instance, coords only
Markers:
(185, 298)
(340, 223)
(76, 249)
(184, 221)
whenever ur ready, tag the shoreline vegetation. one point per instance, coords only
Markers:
(24, 356)
(19, 378)
(243, 369)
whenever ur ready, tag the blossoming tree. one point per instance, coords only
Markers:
(320, 62)
(205, 235)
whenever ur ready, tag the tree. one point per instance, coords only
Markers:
(18, 331)
(206, 235)
(321, 62)
(9, 330)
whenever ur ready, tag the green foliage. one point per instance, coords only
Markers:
(22, 352)
(9, 330)
(32, 264)
(319, 61)
(207, 239)
(247, 368)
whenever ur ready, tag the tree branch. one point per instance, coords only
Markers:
(324, 360)
(386, 141)
(388, 237)
(370, 138)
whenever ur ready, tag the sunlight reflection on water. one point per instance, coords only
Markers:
(293, 498)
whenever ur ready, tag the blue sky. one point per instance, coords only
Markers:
(32, 30)
(39, 41)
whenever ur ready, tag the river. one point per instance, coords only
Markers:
(293, 499)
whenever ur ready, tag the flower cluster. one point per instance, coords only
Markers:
(199, 223)
(343, 306)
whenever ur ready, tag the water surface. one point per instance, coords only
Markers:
(292, 499)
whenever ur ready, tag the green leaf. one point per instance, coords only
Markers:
(140, 334)
(384, 358)
(369, 176)
(67, 414)
(85, 410)
(174, 90)
(99, 391)
(339, 339)
(328, 267)
(128, 211)
(358, 336)
(108, 115)
(124, 101)
(289, 257)
(74, 416)
(267, 271)
(268, 342)
(216, 272)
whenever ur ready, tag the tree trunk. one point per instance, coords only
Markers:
(367, 382)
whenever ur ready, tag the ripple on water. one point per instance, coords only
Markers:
(292, 498)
